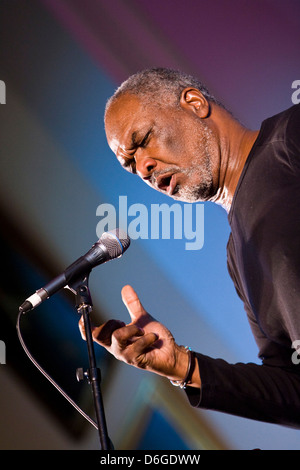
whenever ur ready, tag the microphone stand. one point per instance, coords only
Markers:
(93, 374)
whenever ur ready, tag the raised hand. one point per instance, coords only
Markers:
(144, 342)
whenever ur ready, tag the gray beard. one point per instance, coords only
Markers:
(196, 192)
(199, 185)
(200, 172)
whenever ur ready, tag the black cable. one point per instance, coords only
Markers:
(48, 377)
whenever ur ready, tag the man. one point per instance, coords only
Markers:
(166, 128)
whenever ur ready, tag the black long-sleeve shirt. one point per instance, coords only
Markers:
(263, 255)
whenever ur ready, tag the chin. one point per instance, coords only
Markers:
(188, 199)
(192, 195)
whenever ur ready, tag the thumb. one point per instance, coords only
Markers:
(132, 303)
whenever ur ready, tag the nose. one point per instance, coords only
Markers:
(145, 166)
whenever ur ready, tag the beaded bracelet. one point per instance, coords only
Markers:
(183, 383)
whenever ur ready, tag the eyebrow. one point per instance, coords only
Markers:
(134, 138)
(138, 137)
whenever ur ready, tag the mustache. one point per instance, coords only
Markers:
(158, 174)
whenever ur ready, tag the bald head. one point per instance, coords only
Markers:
(160, 87)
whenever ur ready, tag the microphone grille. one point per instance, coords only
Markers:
(116, 242)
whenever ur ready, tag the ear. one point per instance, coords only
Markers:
(192, 99)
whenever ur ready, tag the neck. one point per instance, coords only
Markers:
(235, 143)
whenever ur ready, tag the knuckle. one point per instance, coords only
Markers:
(120, 338)
(117, 334)
(141, 361)
(138, 361)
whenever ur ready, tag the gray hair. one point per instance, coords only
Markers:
(160, 86)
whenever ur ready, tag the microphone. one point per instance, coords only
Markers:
(109, 246)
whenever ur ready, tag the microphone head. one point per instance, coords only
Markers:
(115, 241)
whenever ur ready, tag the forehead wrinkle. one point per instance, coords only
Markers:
(118, 143)
(131, 137)
(125, 122)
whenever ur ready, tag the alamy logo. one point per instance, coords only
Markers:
(296, 353)
(296, 93)
(2, 92)
(180, 222)
(2, 352)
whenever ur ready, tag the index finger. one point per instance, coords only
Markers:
(132, 302)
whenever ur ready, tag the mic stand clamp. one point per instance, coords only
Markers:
(84, 307)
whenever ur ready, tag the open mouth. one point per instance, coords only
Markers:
(167, 183)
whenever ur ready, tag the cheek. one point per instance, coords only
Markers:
(178, 140)
(173, 144)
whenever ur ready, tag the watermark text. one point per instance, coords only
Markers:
(160, 221)
(296, 93)
(296, 353)
(2, 92)
(2, 352)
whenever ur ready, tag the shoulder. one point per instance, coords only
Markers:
(293, 130)
(283, 130)
(282, 123)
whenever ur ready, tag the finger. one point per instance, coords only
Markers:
(137, 352)
(81, 328)
(132, 303)
(146, 341)
(127, 335)
(103, 333)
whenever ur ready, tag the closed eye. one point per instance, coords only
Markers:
(128, 164)
(146, 139)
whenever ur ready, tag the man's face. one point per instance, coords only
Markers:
(171, 149)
